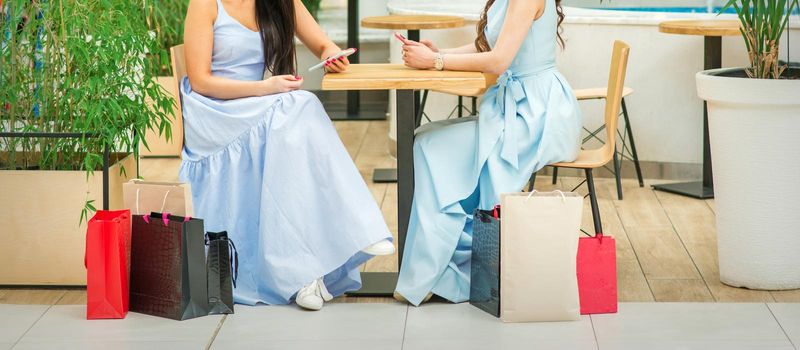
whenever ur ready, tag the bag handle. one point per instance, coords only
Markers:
(163, 202)
(563, 196)
(232, 253)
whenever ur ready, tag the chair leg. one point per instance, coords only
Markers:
(531, 182)
(460, 106)
(618, 173)
(421, 110)
(474, 105)
(598, 226)
(629, 130)
(555, 176)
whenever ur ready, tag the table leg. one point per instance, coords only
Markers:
(383, 283)
(390, 175)
(702, 189)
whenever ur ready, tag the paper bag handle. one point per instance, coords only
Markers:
(563, 196)
(163, 202)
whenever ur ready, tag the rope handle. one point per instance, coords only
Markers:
(563, 196)
(163, 202)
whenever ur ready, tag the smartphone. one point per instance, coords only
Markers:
(337, 56)
(401, 38)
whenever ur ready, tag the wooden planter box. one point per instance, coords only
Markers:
(42, 243)
(159, 147)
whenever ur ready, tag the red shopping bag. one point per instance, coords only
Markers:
(597, 274)
(108, 251)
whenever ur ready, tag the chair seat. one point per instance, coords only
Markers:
(598, 93)
(587, 159)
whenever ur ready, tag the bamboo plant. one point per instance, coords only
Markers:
(763, 24)
(78, 66)
(165, 18)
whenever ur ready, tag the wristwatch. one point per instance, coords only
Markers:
(439, 62)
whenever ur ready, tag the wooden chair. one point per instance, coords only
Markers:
(178, 59)
(596, 158)
(626, 137)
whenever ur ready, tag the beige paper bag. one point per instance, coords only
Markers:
(164, 197)
(539, 247)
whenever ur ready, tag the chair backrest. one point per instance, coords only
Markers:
(178, 72)
(616, 83)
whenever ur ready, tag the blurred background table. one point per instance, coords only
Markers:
(712, 31)
(413, 24)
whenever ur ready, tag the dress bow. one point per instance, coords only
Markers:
(509, 93)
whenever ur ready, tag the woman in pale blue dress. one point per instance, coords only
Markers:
(528, 120)
(264, 160)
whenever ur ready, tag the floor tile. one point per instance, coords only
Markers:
(788, 315)
(6, 345)
(346, 326)
(106, 345)
(66, 326)
(463, 327)
(703, 326)
(15, 320)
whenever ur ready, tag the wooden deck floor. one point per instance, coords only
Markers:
(666, 244)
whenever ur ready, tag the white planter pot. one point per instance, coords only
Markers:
(754, 125)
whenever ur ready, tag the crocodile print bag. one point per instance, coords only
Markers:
(484, 291)
(168, 267)
(222, 266)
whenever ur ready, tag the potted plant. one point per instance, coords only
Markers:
(68, 66)
(313, 6)
(754, 124)
(165, 18)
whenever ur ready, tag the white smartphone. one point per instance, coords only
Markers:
(337, 56)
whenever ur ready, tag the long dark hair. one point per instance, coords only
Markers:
(276, 23)
(483, 45)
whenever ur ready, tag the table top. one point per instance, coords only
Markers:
(707, 27)
(398, 76)
(412, 22)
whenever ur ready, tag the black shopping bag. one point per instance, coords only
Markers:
(222, 265)
(168, 267)
(484, 291)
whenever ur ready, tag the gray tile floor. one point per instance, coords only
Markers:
(703, 326)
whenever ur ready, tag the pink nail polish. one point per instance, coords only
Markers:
(298, 77)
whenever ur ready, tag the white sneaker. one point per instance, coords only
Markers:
(313, 296)
(383, 247)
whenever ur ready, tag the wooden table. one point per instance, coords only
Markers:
(413, 24)
(405, 80)
(713, 31)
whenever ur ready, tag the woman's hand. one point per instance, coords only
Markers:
(282, 83)
(429, 44)
(335, 65)
(420, 56)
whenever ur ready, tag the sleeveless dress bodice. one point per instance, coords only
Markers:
(238, 53)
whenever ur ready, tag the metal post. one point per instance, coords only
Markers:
(713, 60)
(598, 226)
(635, 155)
(405, 165)
(353, 96)
(106, 164)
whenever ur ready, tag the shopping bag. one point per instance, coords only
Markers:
(143, 197)
(107, 259)
(484, 288)
(222, 266)
(538, 252)
(597, 274)
(168, 267)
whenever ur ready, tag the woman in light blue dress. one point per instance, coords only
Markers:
(528, 120)
(265, 162)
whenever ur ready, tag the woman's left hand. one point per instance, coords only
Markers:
(419, 56)
(336, 65)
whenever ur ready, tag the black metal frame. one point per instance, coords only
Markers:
(69, 135)
(619, 155)
(384, 283)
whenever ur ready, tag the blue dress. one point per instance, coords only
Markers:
(273, 172)
(528, 120)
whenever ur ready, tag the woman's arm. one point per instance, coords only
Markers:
(519, 18)
(199, 44)
(469, 48)
(309, 32)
